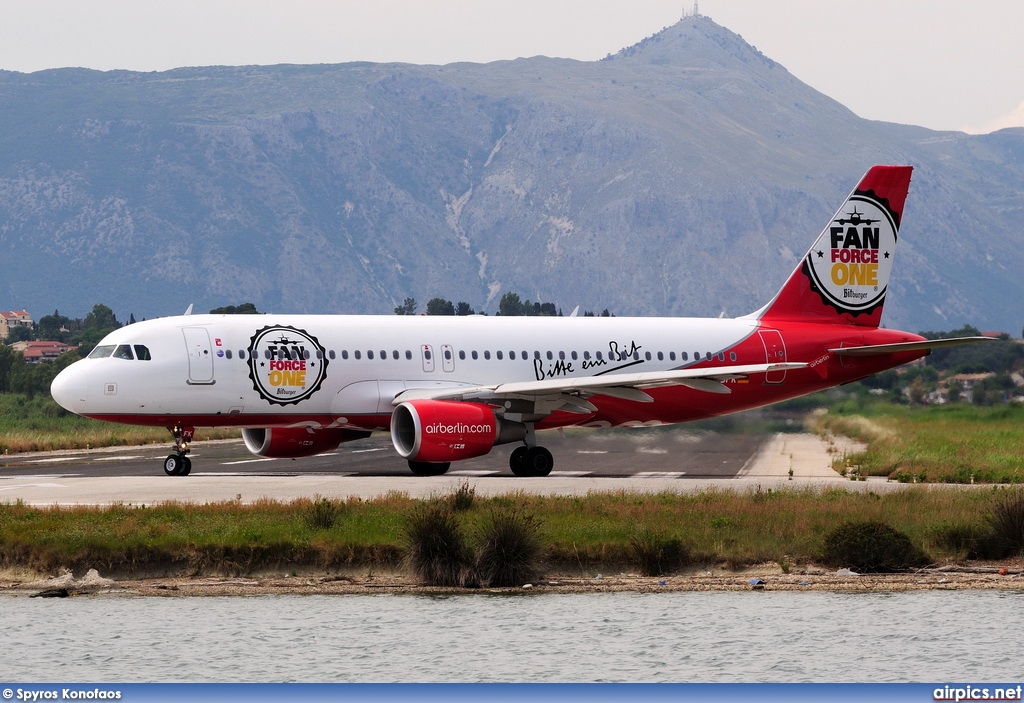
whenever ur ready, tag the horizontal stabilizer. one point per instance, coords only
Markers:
(877, 349)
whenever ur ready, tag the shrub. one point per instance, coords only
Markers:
(510, 549)
(436, 548)
(462, 498)
(657, 555)
(872, 547)
(322, 513)
(1007, 524)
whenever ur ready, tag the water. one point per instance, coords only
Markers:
(678, 637)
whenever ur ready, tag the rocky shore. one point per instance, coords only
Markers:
(767, 578)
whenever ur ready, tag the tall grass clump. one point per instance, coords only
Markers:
(1007, 524)
(509, 550)
(322, 513)
(461, 499)
(436, 547)
(872, 547)
(657, 555)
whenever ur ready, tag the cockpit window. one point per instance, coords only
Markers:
(142, 353)
(102, 351)
(124, 351)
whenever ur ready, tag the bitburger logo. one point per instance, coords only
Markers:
(286, 365)
(850, 266)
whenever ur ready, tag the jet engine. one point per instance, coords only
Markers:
(294, 442)
(439, 431)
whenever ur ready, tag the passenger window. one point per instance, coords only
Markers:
(512, 355)
(732, 356)
(661, 356)
(487, 356)
(357, 355)
(394, 354)
(142, 353)
(331, 354)
(447, 354)
(462, 354)
(408, 355)
(475, 355)
(241, 353)
(227, 353)
(672, 356)
(102, 352)
(124, 351)
(499, 355)
(369, 354)
(574, 356)
(344, 354)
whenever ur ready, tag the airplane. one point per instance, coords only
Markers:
(855, 219)
(452, 388)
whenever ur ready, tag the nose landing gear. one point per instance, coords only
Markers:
(178, 463)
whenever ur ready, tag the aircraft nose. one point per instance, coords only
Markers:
(69, 389)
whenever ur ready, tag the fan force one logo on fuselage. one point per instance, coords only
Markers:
(286, 365)
(850, 266)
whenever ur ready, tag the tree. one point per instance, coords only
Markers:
(440, 306)
(407, 308)
(54, 327)
(243, 309)
(464, 309)
(101, 318)
(20, 333)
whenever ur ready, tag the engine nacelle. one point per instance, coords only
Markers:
(439, 431)
(294, 442)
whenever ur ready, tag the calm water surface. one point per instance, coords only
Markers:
(681, 637)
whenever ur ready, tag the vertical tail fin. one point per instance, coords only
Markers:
(843, 277)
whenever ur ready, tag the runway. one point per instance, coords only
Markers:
(640, 461)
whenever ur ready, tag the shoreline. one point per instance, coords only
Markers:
(763, 578)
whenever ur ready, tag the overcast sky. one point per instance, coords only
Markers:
(943, 64)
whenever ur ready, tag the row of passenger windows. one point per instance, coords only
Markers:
(141, 352)
(513, 355)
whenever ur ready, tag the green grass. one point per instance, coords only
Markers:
(944, 444)
(38, 424)
(587, 534)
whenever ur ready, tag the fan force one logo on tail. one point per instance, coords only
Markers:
(851, 262)
(286, 365)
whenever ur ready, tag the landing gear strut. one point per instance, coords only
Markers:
(178, 463)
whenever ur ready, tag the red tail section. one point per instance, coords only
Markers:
(844, 276)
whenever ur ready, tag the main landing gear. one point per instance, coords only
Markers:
(178, 463)
(531, 461)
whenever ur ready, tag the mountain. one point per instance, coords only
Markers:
(684, 175)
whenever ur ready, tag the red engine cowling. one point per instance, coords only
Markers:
(439, 431)
(294, 442)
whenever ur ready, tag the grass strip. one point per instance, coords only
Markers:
(940, 444)
(584, 534)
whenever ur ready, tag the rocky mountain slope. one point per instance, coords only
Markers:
(684, 175)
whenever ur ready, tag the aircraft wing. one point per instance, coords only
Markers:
(875, 349)
(628, 386)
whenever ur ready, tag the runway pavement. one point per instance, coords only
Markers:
(639, 461)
